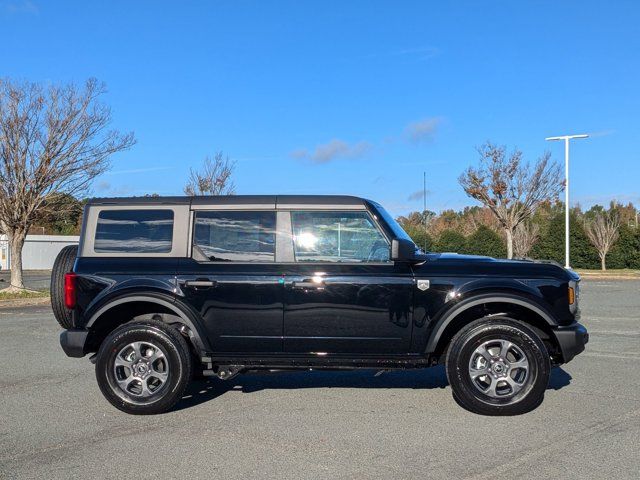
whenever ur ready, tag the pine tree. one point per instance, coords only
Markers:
(485, 241)
(451, 241)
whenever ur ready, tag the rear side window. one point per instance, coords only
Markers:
(337, 237)
(134, 231)
(236, 236)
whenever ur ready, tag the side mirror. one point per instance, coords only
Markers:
(403, 250)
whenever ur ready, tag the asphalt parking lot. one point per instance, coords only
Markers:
(54, 423)
(33, 279)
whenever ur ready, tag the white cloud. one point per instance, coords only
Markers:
(16, 7)
(332, 150)
(602, 133)
(418, 195)
(300, 154)
(103, 185)
(379, 180)
(105, 188)
(423, 130)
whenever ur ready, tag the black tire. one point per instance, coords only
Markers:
(487, 335)
(158, 336)
(63, 264)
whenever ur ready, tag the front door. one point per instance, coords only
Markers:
(342, 293)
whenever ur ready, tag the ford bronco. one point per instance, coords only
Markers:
(160, 290)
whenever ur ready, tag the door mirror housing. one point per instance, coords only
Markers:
(403, 250)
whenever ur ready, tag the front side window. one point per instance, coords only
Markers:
(337, 237)
(236, 236)
(134, 231)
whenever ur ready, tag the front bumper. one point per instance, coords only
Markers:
(571, 339)
(73, 342)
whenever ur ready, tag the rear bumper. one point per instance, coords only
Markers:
(73, 342)
(571, 339)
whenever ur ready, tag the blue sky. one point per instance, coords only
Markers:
(352, 97)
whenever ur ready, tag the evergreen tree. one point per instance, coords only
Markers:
(451, 241)
(551, 243)
(473, 230)
(626, 251)
(485, 241)
(419, 236)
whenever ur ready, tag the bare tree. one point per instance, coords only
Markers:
(61, 218)
(510, 188)
(525, 236)
(53, 141)
(603, 233)
(214, 179)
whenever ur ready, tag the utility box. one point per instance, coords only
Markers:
(4, 253)
(39, 252)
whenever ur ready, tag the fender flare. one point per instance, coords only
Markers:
(199, 337)
(476, 300)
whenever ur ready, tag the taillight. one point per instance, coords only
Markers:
(70, 290)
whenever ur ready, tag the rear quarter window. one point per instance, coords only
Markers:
(134, 231)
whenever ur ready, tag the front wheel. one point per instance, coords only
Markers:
(498, 366)
(143, 367)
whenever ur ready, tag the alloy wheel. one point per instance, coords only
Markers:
(499, 368)
(141, 369)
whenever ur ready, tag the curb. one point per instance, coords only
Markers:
(25, 302)
(592, 276)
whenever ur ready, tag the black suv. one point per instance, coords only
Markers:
(164, 289)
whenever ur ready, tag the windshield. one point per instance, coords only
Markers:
(395, 227)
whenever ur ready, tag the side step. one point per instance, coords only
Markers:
(225, 367)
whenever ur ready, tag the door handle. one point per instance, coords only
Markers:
(200, 283)
(308, 285)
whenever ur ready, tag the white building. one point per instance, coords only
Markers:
(39, 252)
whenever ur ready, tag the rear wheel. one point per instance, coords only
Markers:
(63, 264)
(498, 366)
(144, 367)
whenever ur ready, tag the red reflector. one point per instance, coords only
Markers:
(70, 290)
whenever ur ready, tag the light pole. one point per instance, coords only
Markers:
(566, 139)
(424, 210)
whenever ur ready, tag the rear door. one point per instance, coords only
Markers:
(232, 279)
(343, 294)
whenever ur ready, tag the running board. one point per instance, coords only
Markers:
(214, 363)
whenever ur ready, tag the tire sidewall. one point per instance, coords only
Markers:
(468, 340)
(176, 380)
(63, 264)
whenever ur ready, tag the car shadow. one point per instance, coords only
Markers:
(201, 391)
(559, 379)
